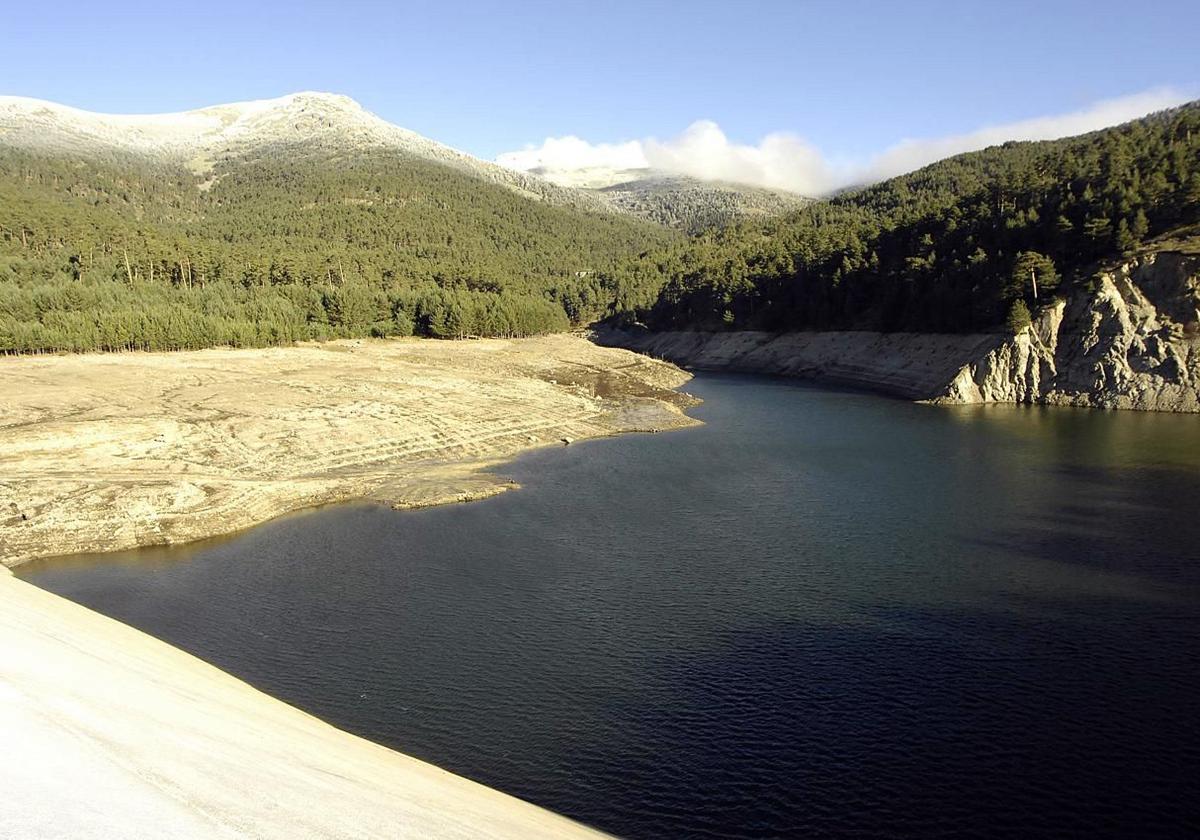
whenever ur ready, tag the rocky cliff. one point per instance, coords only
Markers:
(1130, 340)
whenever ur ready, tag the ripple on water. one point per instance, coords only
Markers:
(821, 614)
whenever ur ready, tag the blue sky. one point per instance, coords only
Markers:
(849, 78)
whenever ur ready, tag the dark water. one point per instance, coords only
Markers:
(823, 614)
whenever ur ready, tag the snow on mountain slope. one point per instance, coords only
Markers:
(198, 138)
(672, 199)
(34, 123)
(203, 138)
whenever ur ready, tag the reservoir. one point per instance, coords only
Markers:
(820, 614)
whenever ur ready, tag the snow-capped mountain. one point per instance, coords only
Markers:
(201, 137)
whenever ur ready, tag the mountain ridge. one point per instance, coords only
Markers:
(275, 220)
(200, 137)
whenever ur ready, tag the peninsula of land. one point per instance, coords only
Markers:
(115, 451)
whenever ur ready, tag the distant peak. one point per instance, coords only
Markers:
(302, 98)
(306, 98)
(289, 118)
(200, 137)
(323, 96)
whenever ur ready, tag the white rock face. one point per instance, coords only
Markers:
(1132, 342)
(911, 365)
(198, 138)
(1015, 371)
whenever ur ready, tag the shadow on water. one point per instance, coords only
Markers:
(822, 613)
(1136, 528)
(901, 733)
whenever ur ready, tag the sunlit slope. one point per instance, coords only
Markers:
(262, 223)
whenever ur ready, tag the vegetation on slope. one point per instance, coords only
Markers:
(301, 241)
(956, 246)
(698, 206)
(121, 252)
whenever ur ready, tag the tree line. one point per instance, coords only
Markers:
(118, 252)
(106, 315)
(965, 244)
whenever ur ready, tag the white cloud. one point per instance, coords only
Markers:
(908, 155)
(571, 153)
(788, 162)
(780, 160)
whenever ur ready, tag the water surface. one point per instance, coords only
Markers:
(821, 614)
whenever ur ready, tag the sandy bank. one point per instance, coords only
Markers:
(106, 452)
(109, 733)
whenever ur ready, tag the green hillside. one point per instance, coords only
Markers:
(956, 246)
(297, 242)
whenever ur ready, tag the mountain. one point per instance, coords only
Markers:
(202, 138)
(262, 222)
(980, 241)
(694, 205)
(675, 200)
(1062, 272)
(307, 217)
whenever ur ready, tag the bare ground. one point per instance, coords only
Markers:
(109, 452)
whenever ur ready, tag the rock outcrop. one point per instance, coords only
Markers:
(1131, 340)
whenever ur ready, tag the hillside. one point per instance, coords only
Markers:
(201, 138)
(694, 205)
(267, 222)
(307, 217)
(1130, 339)
(672, 199)
(971, 243)
(1059, 272)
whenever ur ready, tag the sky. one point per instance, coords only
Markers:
(803, 95)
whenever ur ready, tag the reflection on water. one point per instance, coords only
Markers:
(1108, 439)
(822, 613)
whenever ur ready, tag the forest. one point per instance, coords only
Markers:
(974, 242)
(121, 253)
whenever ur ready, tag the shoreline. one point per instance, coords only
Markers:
(112, 732)
(115, 452)
(1130, 342)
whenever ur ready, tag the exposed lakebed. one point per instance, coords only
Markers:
(820, 614)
